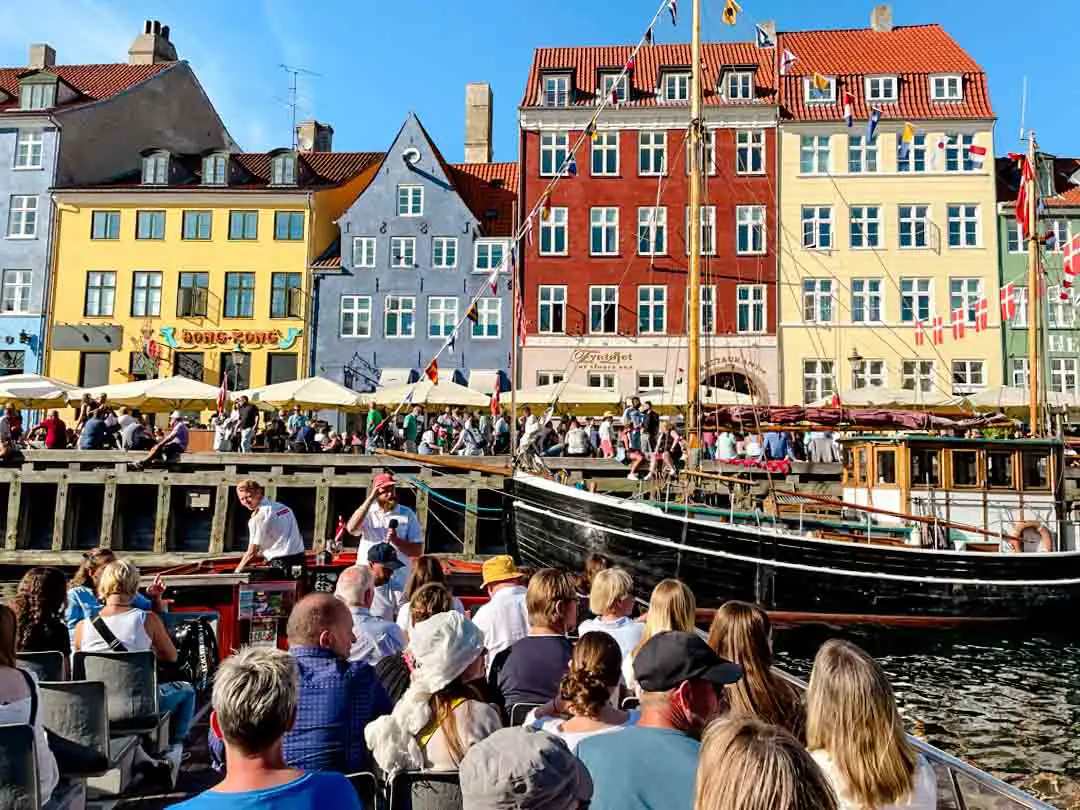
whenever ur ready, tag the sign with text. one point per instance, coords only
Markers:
(243, 338)
(604, 360)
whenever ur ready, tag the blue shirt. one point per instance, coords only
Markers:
(641, 768)
(93, 434)
(312, 791)
(337, 701)
(777, 445)
(84, 604)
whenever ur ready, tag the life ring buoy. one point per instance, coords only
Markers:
(1016, 536)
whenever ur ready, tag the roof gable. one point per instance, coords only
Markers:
(490, 191)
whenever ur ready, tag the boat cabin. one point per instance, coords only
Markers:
(1011, 488)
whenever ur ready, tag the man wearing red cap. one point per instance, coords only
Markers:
(381, 519)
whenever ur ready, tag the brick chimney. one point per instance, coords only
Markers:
(478, 122)
(881, 18)
(152, 45)
(41, 56)
(311, 136)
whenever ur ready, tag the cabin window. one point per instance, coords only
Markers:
(925, 468)
(861, 456)
(849, 464)
(999, 469)
(1035, 469)
(885, 466)
(965, 468)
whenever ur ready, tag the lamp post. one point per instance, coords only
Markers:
(857, 367)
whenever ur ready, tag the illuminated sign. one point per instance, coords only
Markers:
(241, 338)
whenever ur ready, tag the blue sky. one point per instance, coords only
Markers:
(378, 60)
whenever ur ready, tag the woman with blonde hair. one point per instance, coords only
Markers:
(855, 734)
(611, 600)
(425, 569)
(747, 764)
(741, 633)
(671, 607)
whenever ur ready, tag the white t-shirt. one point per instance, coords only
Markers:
(376, 524)
(272, 527)
(554, 725)
(18, 712)
(626, 632)
(503, 620)
(923, 794)
(388, 599)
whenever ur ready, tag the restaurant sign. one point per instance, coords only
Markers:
(597, 359)
(239, 338)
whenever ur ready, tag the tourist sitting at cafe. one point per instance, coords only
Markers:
(671, 607)
(51, 431)
(169, 447)
(589, 694)
(425, 569)
(443, 712)
(20, 703)
(83, 601)
(531, 669)
(39, 609)
(747, 764)
(741, 633)
(503, 619)
(96, 434)
(523, 769)
(611, 600)
(653, 764)
(122, 627)
(256, 701)
(393, 670)
(856, 736)
(373, 637)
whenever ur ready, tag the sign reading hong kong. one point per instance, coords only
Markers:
(242, 338)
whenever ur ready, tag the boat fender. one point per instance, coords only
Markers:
(1016, 537)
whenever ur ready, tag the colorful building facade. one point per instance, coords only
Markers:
(605, 289)
(884, 237)
(198, 265)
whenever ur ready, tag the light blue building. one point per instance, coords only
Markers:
(417, 244)
(63, 125)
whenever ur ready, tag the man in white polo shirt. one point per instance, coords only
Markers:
(381, 519)
(273, 533)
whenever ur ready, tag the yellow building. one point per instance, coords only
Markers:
(199, 266)
(878, 236)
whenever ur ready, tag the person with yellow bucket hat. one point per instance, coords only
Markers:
(503, 619)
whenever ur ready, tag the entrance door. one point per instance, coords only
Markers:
(93, 369)
(280, 367)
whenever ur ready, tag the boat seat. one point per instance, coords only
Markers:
(425, 790)
(19, 785)
(519, 711)
(132, 695)
(366, 785)
(47, 666)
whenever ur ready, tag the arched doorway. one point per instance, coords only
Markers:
(731, 378)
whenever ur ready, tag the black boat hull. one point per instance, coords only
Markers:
(787, 573)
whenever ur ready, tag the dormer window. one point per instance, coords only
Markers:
(946, 88)
(215, 170)
(881, 89)
(820, 89)
(612, 88)
(556, 90)
(737, 85)
(283, 170)
(675, 87)
(37, 94)
(155, 169)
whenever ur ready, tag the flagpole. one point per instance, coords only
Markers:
(1034, 299)
(515, 290)
(693, 385)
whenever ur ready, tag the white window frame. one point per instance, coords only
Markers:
(750, 229)
(651, 144)
(600, 379)
(870, 373)
(867, 225)
(605, 298)
(818, 301)
(603, 146)
(1021, 319)
(605, 222)
(549, 377)
(399, 306)
(211, 176)
(442, 312)
(22, 216)
(1059, 228)
(916, 156)
(609, 82)
(965, 215)
(410, 200)
(484, 251)
(37, 95)
(1059, 314)
(1018, 372)
(29, 149)
(917, 375)
(105, 294)
(446, 246)
(363, 251)
(652, 300)
(1013, 242)
(737, 85)
(958, 153)
(881, 89)
(708, 152)
(946, 87)
(554, 147)
(403, 252)
(919, 215)
(815, 96)
(862, 155)
(706, 310)
(675, 86)
(750, 144)
(869, 295)
(15, 288)
(818, 232)
(818, 379)
(815, 154)
(355, 306)
(964, 374)
(283, 170)
(155, 169)
(652, 224)
(551, 297)
(151, 308)
(1064, 374)
(920, 290)
(707, 234)
(555, 90)
(751, 304)
(488, 313)
(651, 381)
(554, 225)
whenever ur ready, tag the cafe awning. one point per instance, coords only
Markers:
(485, 381)
(390, 377)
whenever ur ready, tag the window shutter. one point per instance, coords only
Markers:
(199, 302)
(295, 302)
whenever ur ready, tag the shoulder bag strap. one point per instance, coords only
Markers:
(107, 635)
(31, 684)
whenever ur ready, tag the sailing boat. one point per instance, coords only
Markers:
(967, 529)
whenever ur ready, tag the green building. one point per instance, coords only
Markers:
(1059, 219)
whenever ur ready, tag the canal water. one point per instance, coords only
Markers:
(1009, 704)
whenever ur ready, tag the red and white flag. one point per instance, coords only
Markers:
(849, 101)
(519, 313)
(938, 330)
(982, 315)
(1071, 252)
(920, 333)
(1026, 176)
(977, 155)
(223, 393)
(1008, 302)
(959, 323)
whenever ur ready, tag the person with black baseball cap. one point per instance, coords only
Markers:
(652, 766)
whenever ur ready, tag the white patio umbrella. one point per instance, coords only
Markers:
(565, 393)
(425, 392)
(1011, 396)
(34, 391)
(312, 393)
(709, 396)
(884, 397)
(157, 395)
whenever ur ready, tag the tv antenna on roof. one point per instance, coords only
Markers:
(294, 72)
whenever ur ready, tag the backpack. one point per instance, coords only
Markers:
(196, 652)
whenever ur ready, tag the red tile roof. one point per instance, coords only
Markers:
(585, 63)
(94, 82)
(1070, 199)
(1066, 182)
(489, 188)
(911, 53)
(326, 168)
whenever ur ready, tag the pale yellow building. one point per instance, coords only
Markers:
(876, 236)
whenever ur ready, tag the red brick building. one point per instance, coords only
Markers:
(606, 274)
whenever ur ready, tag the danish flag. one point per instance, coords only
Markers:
(938, 331)
(1008, 302)
(982, 315)
(1072, 256)
(920, 333)
(959, 323)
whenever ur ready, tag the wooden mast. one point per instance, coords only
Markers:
(1035, 302)
(693, 371)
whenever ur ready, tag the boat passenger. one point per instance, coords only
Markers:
(752, 446)
(653, 764)
(39, 608)
(855, 734)
(611, 600)
(20, 703)
(443, 712)
(747, 764)
(726, 448)
(671, 607)
(393, 670)
(589, 693)
(273, 533)
(503, 618)
(778, 446)
(256, 700)
(427, 569)
(382, 519)
(373, 637)
(577, 440)
(741, 632)
(82, 598)
(383, 561)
